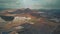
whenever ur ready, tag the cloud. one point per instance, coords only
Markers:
(36, 4)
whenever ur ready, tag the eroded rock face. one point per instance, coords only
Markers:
(37, 28)
(16, 22)
(57, 30)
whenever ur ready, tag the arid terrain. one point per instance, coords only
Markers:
(34, 21)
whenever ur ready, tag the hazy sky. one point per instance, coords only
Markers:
(33, 4)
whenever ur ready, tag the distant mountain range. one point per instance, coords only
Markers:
(49, 12)
(19, 11)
